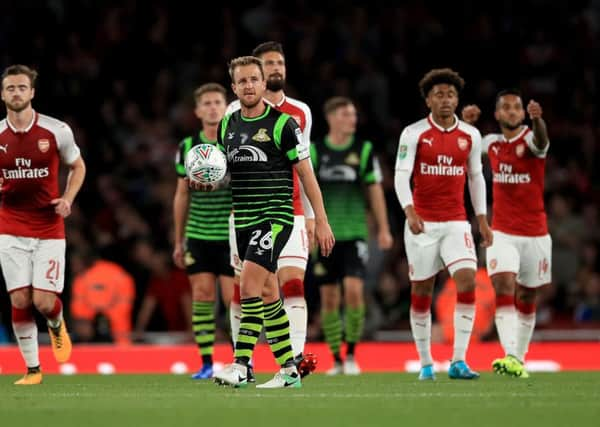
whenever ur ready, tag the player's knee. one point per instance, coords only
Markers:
(330, 299)
(203, 294)
(526, 295)
(465, 280)
(354, 298)
(21, 299)
(504, 284)
(44, 302)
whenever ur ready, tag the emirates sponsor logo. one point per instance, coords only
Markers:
(43, 145)
(505, 175)
(23, 170)
(445, 167)
(463, 143)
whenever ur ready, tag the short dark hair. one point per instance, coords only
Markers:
(440, 76)
(334, 103)
(241, 61)
(509, 91)
(265, 47)
(16, 69)
(209, 87)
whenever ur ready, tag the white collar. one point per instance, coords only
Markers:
(441, 129)
(279, 104)
(27, 129)
(519, 135)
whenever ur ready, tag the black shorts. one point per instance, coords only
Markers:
(256, 243)
(206, 256)
(348, 258)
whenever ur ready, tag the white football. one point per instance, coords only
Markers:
(206, 164)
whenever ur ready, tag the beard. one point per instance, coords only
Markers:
(510, 126)
(275, 84)
(17, 108)
(251, 104)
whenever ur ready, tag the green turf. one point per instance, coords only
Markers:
(564, 399)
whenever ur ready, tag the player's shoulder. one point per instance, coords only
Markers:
(468, 129)
(185, 140)
(3, 125)
(298, 104)
(233, 107)
(416, 129)
(52, 124)
(491, 138)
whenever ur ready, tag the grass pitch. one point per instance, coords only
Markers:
(560, 399)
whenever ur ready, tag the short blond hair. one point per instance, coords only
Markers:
(242, 61)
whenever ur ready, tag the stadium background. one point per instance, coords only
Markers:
(121, 74)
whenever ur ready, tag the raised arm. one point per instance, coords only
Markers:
(540, 131)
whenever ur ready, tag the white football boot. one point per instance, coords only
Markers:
(350, 366)
(234, 375)
(286, 377)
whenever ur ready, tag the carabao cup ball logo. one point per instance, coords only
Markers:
(206, 164)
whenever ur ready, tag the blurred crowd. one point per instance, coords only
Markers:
(122, 75)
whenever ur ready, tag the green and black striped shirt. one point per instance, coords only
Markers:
(260, 153)
(342, 172)
(208, 214)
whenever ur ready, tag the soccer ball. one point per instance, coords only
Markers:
(205, 164)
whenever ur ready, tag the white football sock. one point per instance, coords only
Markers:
(235, 318)
(295, 307)
(27, 338)
(525, 326)
(420, 324)
(464, 316)
(506, 325)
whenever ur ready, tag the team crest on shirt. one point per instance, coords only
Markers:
(520, 150)
(352, 159)
(43, 145)
(261, 136)
(493, 264)
(463, 143)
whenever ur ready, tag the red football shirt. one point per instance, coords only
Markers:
(518, 168)
(439, 160)
(29, 165)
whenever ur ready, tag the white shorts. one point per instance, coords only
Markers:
(28, 261)
(530, 258)
(294, 253)
(443, 245)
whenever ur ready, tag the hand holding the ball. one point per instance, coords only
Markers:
(198, 186)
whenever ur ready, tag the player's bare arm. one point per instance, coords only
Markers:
(180, 208)
(471, 113)
(323, 233)
(377, 201)
(540, 131)
(62, 205)
(415, 222)
(487, 237)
